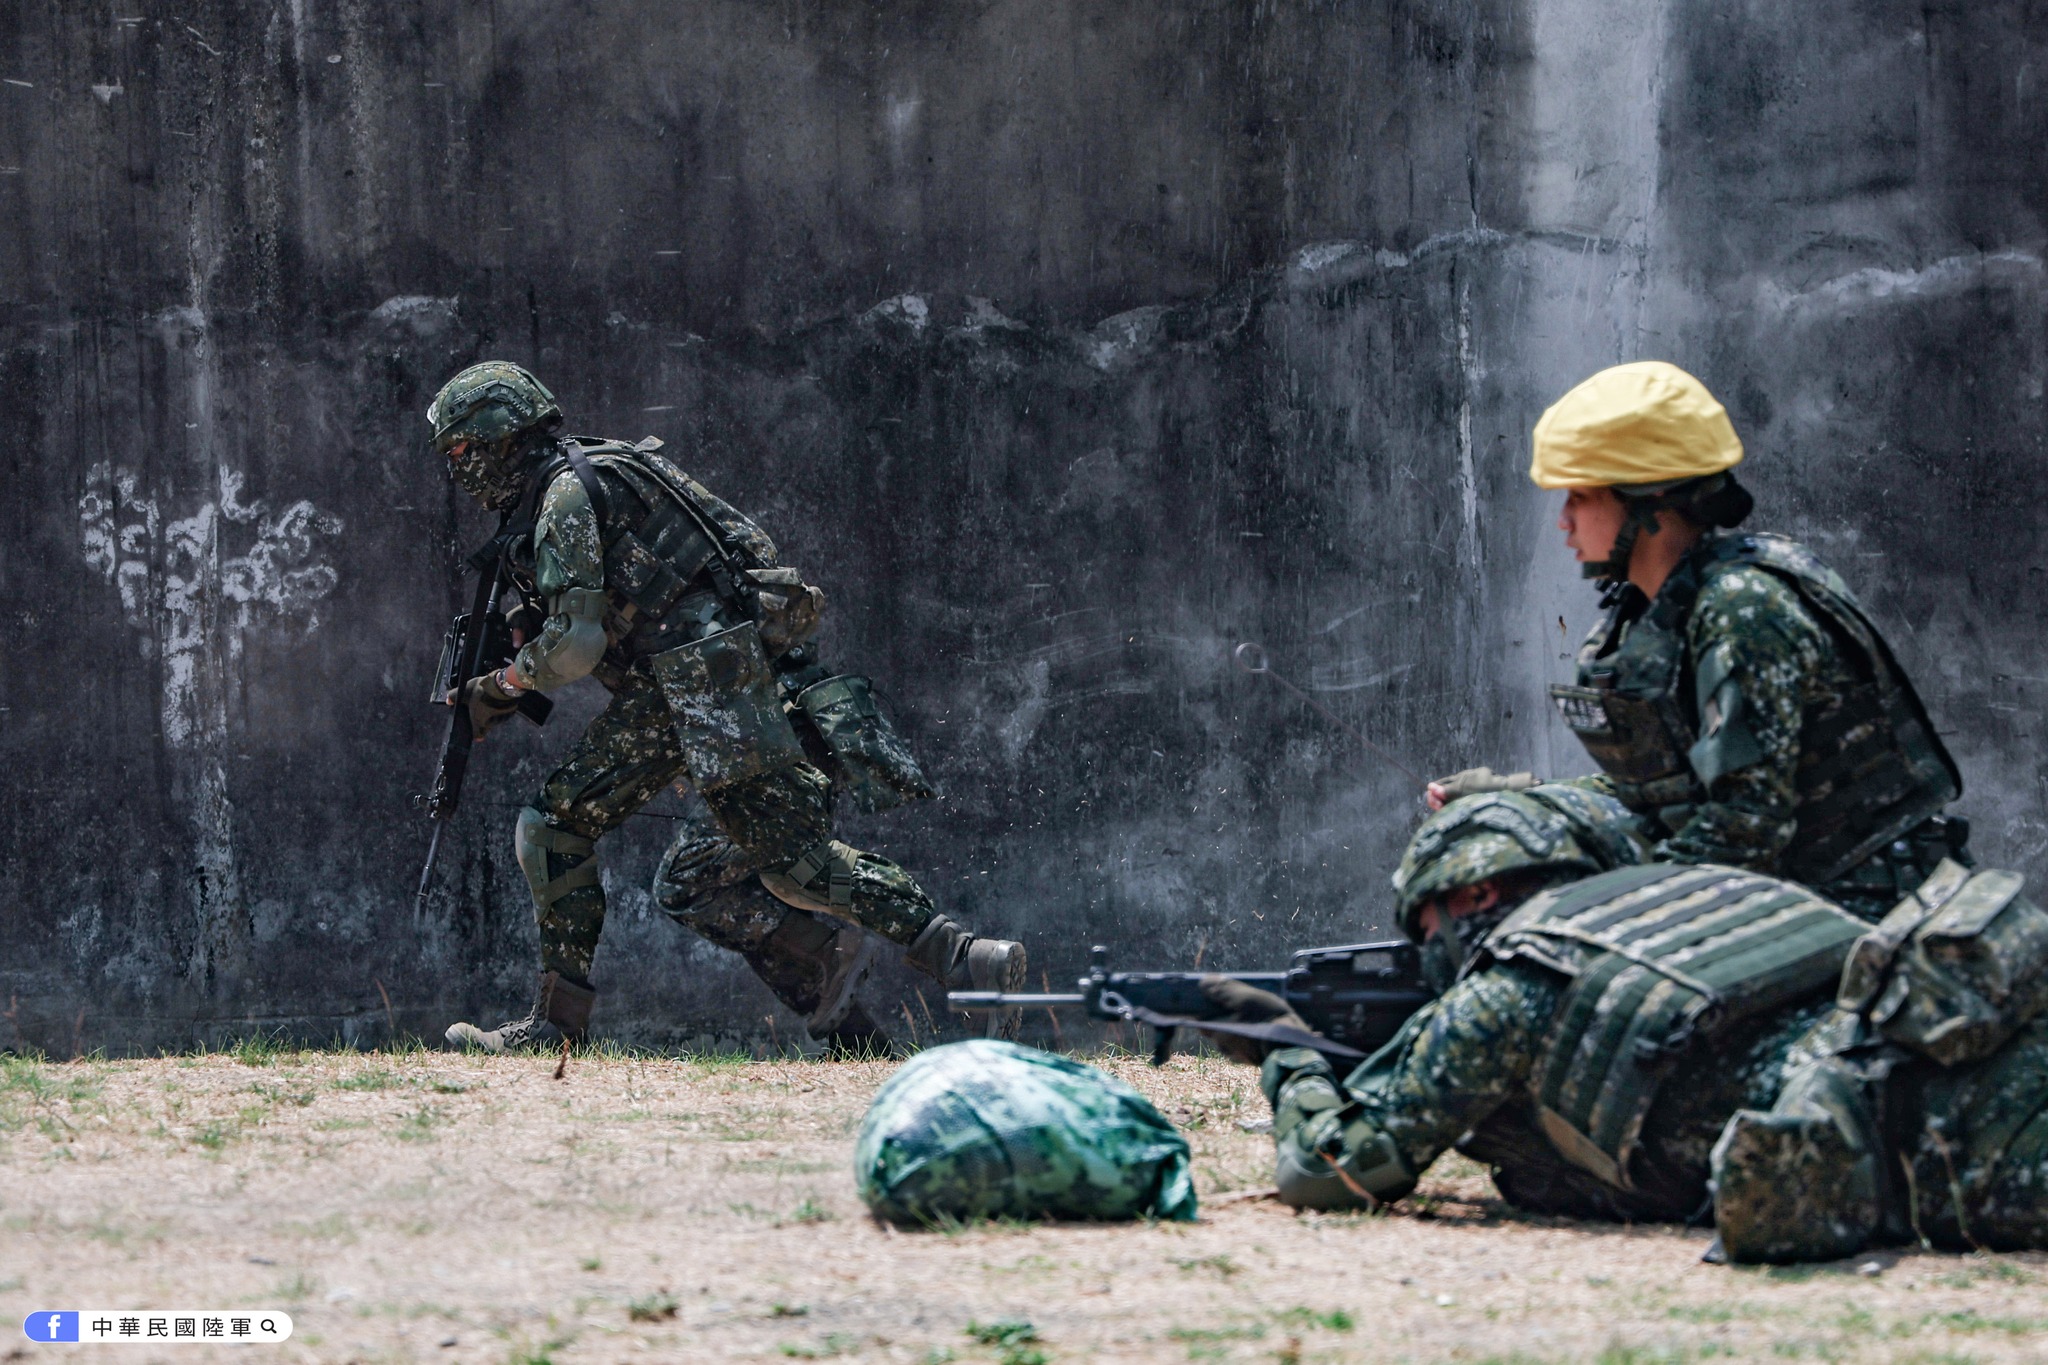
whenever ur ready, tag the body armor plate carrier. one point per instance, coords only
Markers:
(1661, 958)
(1870, 768)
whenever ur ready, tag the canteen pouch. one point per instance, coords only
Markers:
(727, 709)
(787, 608)
(875, 767)
(1956, 968)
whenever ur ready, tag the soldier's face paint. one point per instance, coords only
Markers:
(1591, 519)
(486, 472)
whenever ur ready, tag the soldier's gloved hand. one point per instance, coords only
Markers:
(1243, 1004)
(488, 702)
(1473, 781)
(525, 622)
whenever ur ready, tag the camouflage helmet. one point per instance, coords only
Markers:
(489, 402)
(1552, 826)
(472, 416)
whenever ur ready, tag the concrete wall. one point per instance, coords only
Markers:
(1068, 343)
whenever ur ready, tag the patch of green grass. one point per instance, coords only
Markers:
(258, 1049)
(1970, 1320)
(659, 1306)
(1336, 1320)
(836, 1344)
(297, 1289)
(375, 1078)
(811, 1211)
(418, 1126)
(217, 1134)
(543, 1354)
(1220, 1263)
(590, 1263)
(1250, 1331)
(788, 1310)
(1013, 1338)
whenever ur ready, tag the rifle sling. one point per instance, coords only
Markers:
(722, 570)
(1287, 1035)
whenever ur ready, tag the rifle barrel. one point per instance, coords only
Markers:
(997, 1000)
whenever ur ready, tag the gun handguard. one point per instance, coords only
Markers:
(1354, 997)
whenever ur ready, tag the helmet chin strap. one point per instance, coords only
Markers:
(1640, 515)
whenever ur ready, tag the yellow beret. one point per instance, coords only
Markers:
(1646, 422)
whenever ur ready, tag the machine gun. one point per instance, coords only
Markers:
(479, 640)
(1353, 998)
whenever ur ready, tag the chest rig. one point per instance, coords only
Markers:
(1870, 765)
(1661, 959)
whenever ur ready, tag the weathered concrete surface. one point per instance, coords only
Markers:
(1067, 343)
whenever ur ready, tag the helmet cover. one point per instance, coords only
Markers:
(1551, 827)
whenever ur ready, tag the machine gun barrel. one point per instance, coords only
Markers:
(1353, 997)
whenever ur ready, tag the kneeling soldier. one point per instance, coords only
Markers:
(633, 573)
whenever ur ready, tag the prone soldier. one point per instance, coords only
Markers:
(1665, 1042)
(631, 572)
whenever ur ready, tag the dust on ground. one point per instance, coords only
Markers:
(437, 1207)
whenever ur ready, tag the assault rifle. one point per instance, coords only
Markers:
(1353, 998)
(478, 641)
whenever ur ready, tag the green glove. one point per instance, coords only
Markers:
(489, 704)
(1243, 1004)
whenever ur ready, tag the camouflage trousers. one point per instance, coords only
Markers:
(1886, 1146)
(709, 879)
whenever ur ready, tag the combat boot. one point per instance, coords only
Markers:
(960, 961)
(561, 1010)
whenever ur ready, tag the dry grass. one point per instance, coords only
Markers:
(428, 1206)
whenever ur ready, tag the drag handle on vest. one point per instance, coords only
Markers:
(1353, 997)
(477, 642)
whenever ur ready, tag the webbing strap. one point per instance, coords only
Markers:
(835, 857)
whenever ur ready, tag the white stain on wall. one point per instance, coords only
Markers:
(226, 567)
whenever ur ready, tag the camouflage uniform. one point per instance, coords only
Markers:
(629, 571)
(1788, 734)
(1459, 1077)
(710, 878)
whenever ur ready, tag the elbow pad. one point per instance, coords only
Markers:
(572, 642)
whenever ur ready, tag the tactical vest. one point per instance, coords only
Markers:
(695, 586)
(1870, 768)
(1660, 959)
(666, 576)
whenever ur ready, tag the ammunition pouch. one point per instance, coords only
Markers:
(786, 608)
(726, 707)
(1807, 1180)
(874, 766)
(1956, 969)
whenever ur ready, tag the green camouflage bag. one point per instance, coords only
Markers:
(987, 1129)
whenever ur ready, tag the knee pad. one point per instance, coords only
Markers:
(820, 881)
(695, 867)
(538, 844)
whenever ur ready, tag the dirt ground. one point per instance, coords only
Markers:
(429, 1206)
